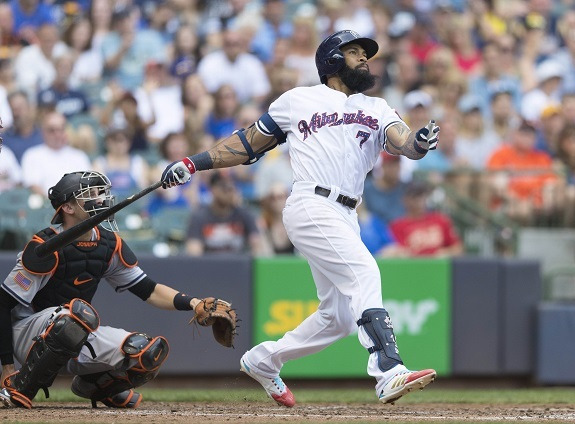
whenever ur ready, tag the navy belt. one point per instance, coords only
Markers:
(350, 202)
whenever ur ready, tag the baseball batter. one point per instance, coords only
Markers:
(47, 322)
(334, 135)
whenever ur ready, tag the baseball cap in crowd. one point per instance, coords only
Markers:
(548, 69)
(499, 87)
(417, 98)
(417, 188)
(469, 103)
(120, 13)
(401, 24)
(221, 179)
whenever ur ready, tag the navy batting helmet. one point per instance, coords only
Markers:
(329, 58)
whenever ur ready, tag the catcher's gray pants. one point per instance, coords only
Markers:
(105, 341)
(345, 273)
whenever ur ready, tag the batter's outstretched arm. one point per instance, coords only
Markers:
(231, 150)
(242, 147)
(401, 140)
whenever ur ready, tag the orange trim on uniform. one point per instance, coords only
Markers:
(56, 213)
(138, 356)
(78, 320)
(142, 368)
(138, 401)
(118, 250)
(38, 240)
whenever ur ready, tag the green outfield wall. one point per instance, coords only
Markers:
(417, 295)
(465, 317)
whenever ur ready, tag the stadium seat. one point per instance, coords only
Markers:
(170, 224)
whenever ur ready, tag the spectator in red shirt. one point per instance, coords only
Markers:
(422, 232)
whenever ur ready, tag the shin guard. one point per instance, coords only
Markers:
(378, 326)
(62, 341)
(149, 353)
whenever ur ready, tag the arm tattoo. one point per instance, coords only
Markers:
(251, 132)
(236, 152)
(398, 132)
(401, 128)
(227, 152)
(408, 149)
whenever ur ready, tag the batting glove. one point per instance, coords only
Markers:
(178, 173)
(427, 137)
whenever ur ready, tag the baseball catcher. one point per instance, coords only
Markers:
(47, 322)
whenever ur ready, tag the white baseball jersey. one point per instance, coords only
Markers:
(333, 139)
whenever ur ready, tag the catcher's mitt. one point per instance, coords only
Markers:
(218, 314)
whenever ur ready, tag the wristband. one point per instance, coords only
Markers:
(201, 161)
(182, 302)
(418, 148)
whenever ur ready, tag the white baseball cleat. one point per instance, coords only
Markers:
(274, 387)
(404, 382)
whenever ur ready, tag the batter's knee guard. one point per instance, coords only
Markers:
(113, 388)
(378, 326)
(62, 341)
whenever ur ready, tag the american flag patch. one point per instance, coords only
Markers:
(22, 281)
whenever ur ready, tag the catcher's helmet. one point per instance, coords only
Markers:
(329, 58)
(91, 187)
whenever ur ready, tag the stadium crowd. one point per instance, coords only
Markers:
(127, 86)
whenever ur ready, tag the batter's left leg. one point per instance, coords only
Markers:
(394, 380)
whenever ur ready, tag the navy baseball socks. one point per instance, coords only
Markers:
(274, 387)
(402, 381)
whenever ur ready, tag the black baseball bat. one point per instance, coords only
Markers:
(68, 236)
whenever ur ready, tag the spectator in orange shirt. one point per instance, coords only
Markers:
(422, 232)
(523, 181)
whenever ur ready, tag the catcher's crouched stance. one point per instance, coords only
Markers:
(47, 322)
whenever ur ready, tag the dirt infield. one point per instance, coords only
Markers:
(249, 412)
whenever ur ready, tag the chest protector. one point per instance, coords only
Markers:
(76, 269)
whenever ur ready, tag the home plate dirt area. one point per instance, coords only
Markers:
(250, 412)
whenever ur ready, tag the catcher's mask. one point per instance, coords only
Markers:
(92, 187)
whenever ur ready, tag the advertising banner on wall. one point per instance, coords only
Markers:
(416, 293)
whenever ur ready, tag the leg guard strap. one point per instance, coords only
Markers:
(378, 326)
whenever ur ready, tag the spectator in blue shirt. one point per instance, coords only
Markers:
(24, 132)
(59, 95)
(274, 27)
(127, 50)
(383, 192)
(29, 15)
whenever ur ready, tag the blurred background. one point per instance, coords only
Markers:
(125, 87)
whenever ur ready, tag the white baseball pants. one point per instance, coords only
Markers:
(345, 273)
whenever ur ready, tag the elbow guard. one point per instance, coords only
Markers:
(252, 156)
(267, 126)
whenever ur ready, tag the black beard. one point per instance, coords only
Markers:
(357, 80)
